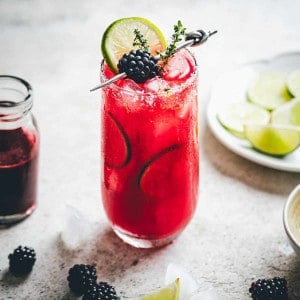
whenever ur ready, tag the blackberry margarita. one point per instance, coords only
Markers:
(151, 152)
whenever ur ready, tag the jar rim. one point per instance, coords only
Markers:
(27, 86)
(16, 98)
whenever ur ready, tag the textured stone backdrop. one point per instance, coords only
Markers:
(236, 235)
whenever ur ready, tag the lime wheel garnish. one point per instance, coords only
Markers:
(118, 39)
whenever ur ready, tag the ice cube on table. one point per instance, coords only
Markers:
(76, 229)
(188, 286)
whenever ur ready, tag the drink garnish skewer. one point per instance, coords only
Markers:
(193, 38)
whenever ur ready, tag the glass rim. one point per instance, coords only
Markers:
(175, 89)
(25, 84)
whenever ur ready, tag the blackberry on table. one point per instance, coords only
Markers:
(101, 291)
(139, 65)
(81, 278)
(269, 289)
(21, 261)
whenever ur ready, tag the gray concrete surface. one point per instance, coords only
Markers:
(236, 235)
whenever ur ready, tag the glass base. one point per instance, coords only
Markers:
(6, 221)
(139, 242)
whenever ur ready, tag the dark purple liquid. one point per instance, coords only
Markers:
(18, 171)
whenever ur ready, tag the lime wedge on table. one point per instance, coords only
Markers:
(293, 83)
(288, 113)
(269, 90)
(235, 115)
(119, 37)
(170, 292)
(273, 139)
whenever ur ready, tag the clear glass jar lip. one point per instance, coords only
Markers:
(173, 89)
(24, 83)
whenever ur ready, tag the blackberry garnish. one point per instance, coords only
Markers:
(81, 278)
(269, 289)
(139, 65)
(21, 260)
(101, 291)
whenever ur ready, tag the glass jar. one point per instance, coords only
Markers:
(19, 147)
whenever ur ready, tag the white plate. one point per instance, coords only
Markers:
(232, 87)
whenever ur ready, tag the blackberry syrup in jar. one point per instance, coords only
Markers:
(19, 147)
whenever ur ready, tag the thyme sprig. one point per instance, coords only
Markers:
(140, 41)
(179, 32)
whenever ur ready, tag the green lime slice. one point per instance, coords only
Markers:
(269, 90)
(235, 115)
(293, 83)
(288, 114)
(273, 139)
(169, 292)
(119, 37)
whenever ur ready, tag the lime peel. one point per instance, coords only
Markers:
(235, 115)
(295, 114)
(169, 292)
(293, 83)
(188, 285)
(277, 140)
(269, 90)
(287, 114)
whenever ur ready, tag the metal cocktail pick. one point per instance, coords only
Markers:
(192, 39)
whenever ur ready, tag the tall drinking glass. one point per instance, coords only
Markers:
(150, 153)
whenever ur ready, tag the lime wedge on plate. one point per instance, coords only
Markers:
(273, 139)
(293, 83)
(235, 115)
(169, 292)
(269, 90)
(119, 37)
(288, 113)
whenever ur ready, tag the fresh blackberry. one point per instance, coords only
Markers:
(81, 278)
(269, 289)
(21, 260)
(101, 291)
(139, 65)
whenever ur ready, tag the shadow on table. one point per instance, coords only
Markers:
(112, 257)
(257, 176)
(10, 280)
(293, 278)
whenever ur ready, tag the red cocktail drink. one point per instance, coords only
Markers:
(151, 153)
